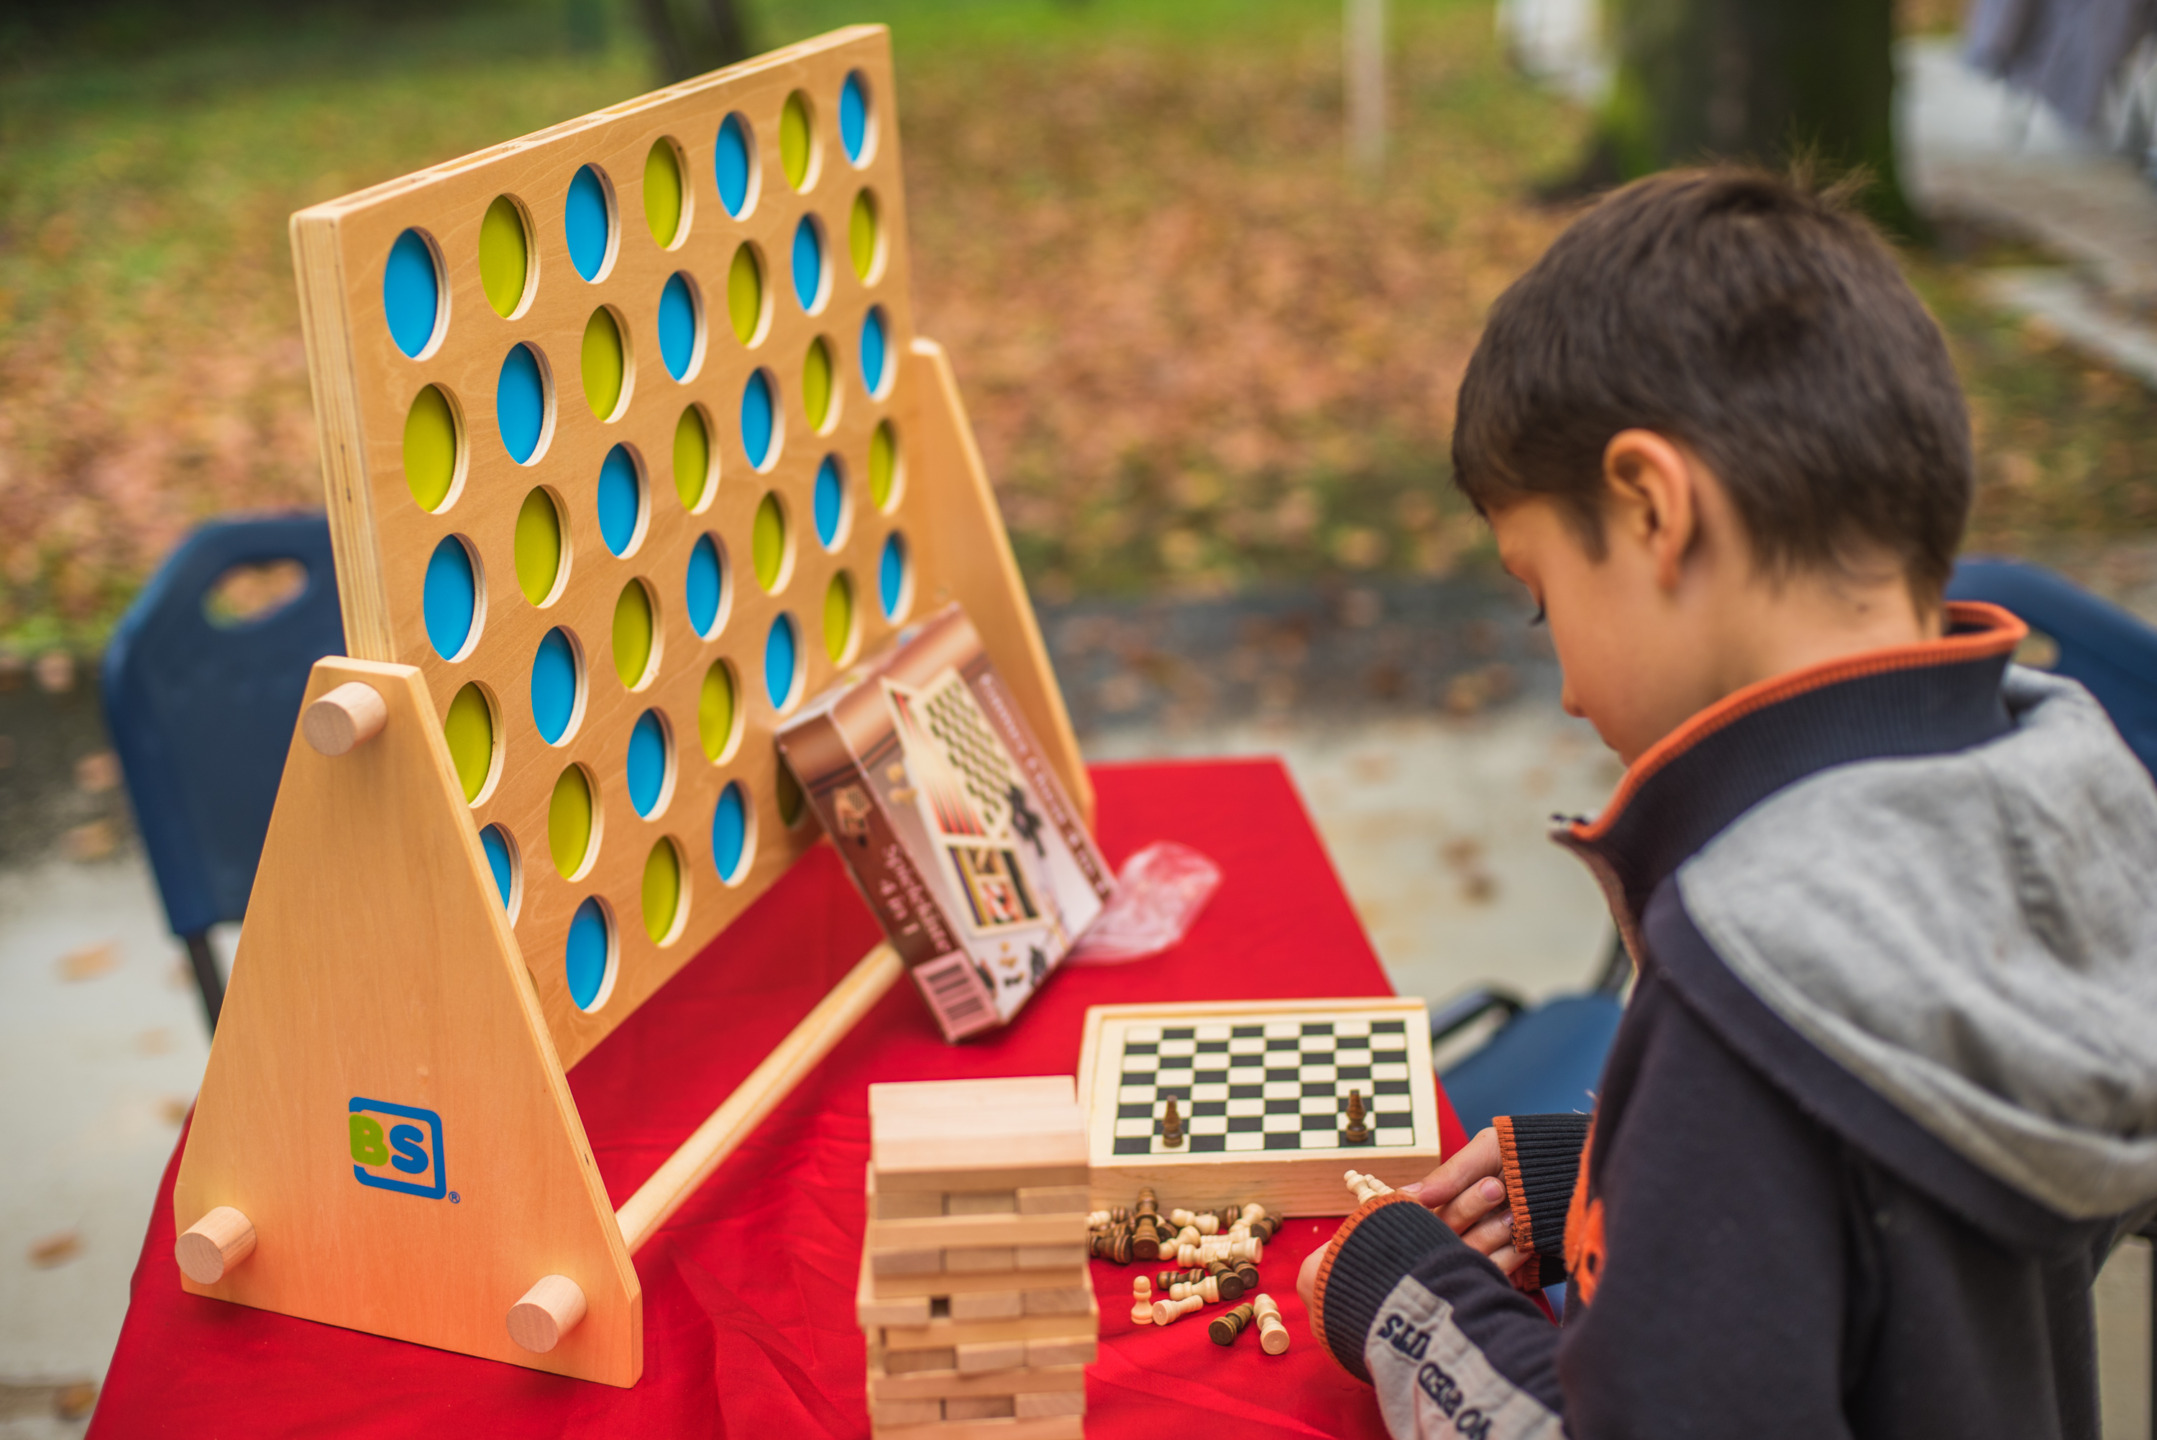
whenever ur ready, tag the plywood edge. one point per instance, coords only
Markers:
(377, 981)
(947, 443)
(319, 266)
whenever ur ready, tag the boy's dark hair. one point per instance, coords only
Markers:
(1755, 320)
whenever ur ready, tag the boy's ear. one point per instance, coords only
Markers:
(1652, 500)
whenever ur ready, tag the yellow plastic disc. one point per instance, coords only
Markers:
(569, 821)
(632, 633)
(662, 889)
(469, 728)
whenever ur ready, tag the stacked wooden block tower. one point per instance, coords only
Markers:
(975, 1294)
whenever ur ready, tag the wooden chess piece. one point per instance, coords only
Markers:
(1171, 1126)
(1357, 1133)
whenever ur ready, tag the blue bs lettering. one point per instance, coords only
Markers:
(397, 1147)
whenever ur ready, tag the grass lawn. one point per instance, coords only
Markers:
(1198, 354)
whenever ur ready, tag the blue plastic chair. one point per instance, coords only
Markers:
(202, 713)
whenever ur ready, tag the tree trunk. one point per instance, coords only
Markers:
(687, 41)
(1768, 81)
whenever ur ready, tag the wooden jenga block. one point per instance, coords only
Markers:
(942, 1331)
(907, 1362)
(920, 1385)
(1051, 1199)
(884, 1263)
(978, 1407)
(1062, 1350)
(1069, 1300)
(986, 1355)
(954, 1283)
(937, 1232)
(1049, 1257)
(1050, 1427)
(988, 1305)
(980, 1262)
(905, 1205)
(906, 1412)
(987, 1202)
(1044, 1403)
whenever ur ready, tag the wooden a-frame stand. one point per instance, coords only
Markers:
(380, 1007)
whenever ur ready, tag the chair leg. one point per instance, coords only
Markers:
(207, 979)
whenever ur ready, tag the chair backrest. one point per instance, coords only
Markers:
(2113, 654)
(202, 712)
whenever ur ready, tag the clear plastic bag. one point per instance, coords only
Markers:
(1159, 893)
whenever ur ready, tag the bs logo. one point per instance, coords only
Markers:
(392, 1151)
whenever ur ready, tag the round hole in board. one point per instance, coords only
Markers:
(681, 325)
(572, 822)
(797, 141)
(768, 549)
(839, 618)
(875, 353)
(588, 221)
(782, 662)
(817, 397)
(716, 711)
(760, 437)
(856, 127)
(662, 891)
(538, 546)
(704, 587)
(734, 165)
(829, 502)
(412, 292)
(693, 473)
(605, 364)
(470, 730)
(745, 294)
(621, 500)
(557, 685)
(806, 256)
(505, 256)
(589, 957)
(786, 791)
(433, 448)
(650, 763)
(501, 852)
(862, 236)
(666, 208)
(450, 598)
(893, 577)
(636, 635)
(883, 466)
(733, 834)
(522, 404)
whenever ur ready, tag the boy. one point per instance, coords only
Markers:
(1886, 1090)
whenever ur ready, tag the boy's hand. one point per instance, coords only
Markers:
(1467, 1194)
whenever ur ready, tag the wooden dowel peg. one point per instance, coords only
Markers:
(548, 1311)
(350, 715)
(214, 1244)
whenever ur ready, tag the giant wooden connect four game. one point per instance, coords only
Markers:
(630, 446)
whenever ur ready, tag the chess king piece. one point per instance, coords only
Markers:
(1171, 1126)
(1357, 1132)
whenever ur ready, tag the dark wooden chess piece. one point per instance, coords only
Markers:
(1356, 1133)
(1171, 1126)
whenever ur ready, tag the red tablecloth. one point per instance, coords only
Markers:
(749, 1327)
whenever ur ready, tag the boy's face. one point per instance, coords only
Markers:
(1629, 670)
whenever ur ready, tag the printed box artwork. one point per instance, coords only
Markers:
(951, 821)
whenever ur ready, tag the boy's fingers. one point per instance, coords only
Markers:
(1477, 1201)
(1474, 1160)
(1507, 1259)
(1307, 1277)
(1491, 1235)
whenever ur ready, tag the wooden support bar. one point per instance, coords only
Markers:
(214, 1244)
(348, 716)
(794, 1057)
(548, 1311)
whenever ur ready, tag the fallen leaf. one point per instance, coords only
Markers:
(89, 962)
(56, 1249)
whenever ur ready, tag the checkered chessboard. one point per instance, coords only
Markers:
(1264, 1085)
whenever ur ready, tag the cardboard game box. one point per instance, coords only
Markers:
(951, 821)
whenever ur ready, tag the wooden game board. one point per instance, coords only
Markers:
(611, 493)
(1261, 1087)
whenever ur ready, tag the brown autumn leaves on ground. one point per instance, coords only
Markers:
(1198, 353)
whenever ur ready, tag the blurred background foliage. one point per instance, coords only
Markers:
(1200, 354)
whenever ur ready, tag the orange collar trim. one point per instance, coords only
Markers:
(1984, 631)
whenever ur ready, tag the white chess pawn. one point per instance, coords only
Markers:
(1366, 1186)
(1141, 1301)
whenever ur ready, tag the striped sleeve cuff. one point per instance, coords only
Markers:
(1375, 1247)
(1540, 1158)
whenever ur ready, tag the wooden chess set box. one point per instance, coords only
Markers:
(951, 821)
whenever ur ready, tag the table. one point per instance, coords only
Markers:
(749, 1327)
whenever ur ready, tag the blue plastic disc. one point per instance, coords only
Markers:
(496, 846)
(707, 577)
(647, 761)
(730, 832)
(873, 351)
(411, 292)
(554, 686)
(584, 216)
(584, 959)
(780, 661)
(756, 416)
(830, 501)
(853, 116)
(730, 161)
(520, 403)
(678, 325)
(808, 262)
(891, 576)
(621, 499)
(448, 597)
